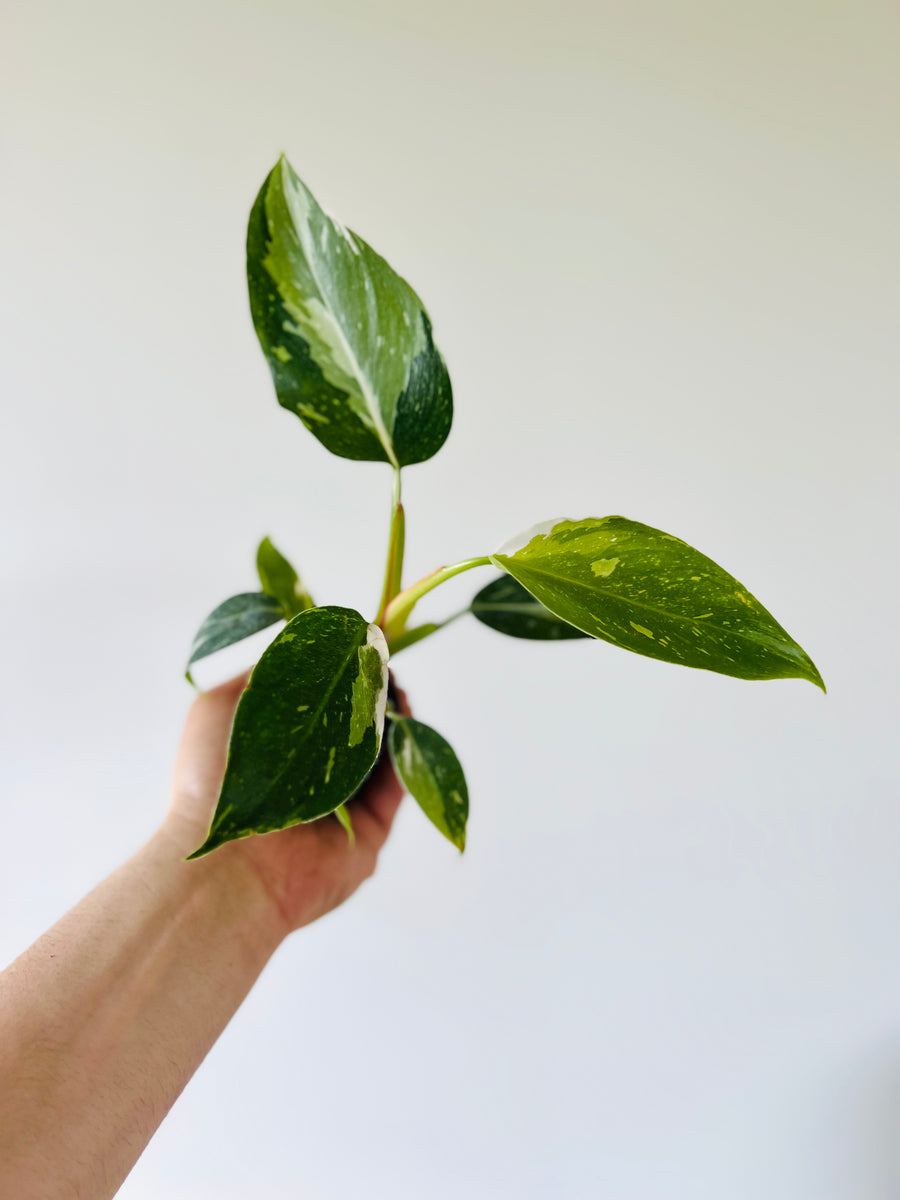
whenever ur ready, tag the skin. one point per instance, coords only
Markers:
(107, 1016)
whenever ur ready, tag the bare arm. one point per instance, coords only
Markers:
(105, 1018)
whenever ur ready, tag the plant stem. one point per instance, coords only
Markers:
(409, 637)
(393, 570)
(398, 610)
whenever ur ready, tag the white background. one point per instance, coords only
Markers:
(659, 245)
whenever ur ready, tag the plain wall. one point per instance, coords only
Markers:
(659, 245)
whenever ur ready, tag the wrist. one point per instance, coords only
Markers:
(225, 883)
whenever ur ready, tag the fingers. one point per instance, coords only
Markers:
(200, 761)
(379, 801)
(200, 765)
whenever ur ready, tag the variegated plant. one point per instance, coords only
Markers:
(351, 352)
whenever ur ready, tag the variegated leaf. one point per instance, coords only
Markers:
(430, 771)
(236, 618)
(308, 727)
(279, 579)
(651, 593)
(347, 340)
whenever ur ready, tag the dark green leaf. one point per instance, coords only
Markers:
(652, 593)
(506, 606)
(235, 619)
(431, 773)
(308, 726)
(347, 340)
(279, 579)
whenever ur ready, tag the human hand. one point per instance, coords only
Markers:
(306, 870)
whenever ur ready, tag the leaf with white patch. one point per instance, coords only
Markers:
(430, 771)
(509, 608)
(649, 592)
(308, 726)
(279, 579)
(347, 340)
(237, 618)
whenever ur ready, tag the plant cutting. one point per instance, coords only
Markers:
(352, 354)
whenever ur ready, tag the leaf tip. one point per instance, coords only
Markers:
(346, 822)
(810, 672)
(815, 678)
(214, 839)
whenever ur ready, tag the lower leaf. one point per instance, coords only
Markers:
(308, 727)
(430, 771)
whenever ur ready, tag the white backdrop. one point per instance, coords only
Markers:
(659, 245)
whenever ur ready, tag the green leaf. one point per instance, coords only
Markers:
(308, 726)
(343, 815)
(347, 340)
(279, 579)
(235, 619)
(431, 773)
(651, 593)
(506, 606)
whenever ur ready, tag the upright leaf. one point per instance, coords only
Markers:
(509, 608)
(279, 579)
(347, 340)
(308, 726)
(652, 593)
(431, 773)
(235, 619)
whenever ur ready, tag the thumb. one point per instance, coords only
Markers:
(200, 761)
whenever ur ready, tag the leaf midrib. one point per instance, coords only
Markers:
(404, 729)
(211, 631)
(368, 395)
(313, 721)
(661, 612)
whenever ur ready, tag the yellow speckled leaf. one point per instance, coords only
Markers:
(308, 726)
(649, 592)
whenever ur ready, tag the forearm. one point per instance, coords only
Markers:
(107, 1016)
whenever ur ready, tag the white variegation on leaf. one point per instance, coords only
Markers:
(350, 349)
(308, 727)
(432, 774)
(347, 339)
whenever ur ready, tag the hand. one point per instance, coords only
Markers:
(306, 870)
(106, 1017)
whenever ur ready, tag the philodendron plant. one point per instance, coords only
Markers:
(351, 352)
